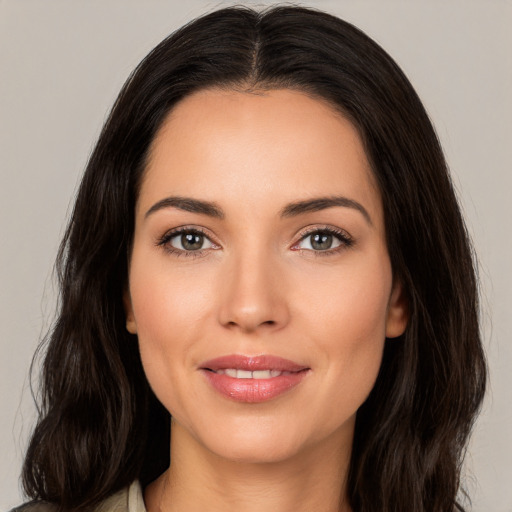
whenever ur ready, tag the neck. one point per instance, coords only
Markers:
(199, 480)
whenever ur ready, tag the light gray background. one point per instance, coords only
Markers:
(62, 63)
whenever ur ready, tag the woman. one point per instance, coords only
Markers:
(267, 248)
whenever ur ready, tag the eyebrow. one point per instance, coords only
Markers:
(322, 203)
(188, 204)
(294, 209)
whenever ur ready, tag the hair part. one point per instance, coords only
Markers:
(100, 425)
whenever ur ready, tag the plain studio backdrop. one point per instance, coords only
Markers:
(62, 63)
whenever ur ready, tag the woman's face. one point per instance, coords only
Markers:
(260, 232)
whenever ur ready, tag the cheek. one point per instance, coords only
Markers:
(350, 301)
(347, 318)
(168, 311)
(165, 302)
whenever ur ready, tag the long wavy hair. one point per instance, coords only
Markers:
(100, 426)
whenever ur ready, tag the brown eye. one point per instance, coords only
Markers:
(190, 241)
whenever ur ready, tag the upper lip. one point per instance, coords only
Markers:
(252, 363)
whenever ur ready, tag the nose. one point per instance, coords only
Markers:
(253, 294)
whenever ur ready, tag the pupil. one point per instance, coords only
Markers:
(321, 241)
(191, 241)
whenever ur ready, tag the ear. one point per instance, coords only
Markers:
(131, 325)
(398, 311)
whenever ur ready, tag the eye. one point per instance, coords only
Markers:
(190, 241)
(186, 242)
(324, 240)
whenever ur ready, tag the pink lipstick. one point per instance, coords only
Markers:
(252, 379)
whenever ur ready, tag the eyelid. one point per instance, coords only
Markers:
(346, 240)
(163, 241)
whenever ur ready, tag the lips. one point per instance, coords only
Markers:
(257, 374)
(252, 379)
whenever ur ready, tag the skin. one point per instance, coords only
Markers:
(260, 287)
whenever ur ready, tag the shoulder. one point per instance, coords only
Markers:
(129, 499)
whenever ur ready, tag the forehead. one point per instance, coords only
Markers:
(277, 145)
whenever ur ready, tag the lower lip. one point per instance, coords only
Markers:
(253, 390)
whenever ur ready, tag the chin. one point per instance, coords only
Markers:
(263, 442)
(256, 451)
(252, 440)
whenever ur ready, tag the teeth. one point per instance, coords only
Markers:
(245, 374)
(262, 374)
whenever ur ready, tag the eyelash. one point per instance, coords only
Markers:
(346, 241)
(166, 238)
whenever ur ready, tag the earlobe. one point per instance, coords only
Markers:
(131, 325)
(398, 312)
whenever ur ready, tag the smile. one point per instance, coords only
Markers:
(246, 374)
(253, 379)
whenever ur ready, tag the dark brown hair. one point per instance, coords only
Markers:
(100, 426)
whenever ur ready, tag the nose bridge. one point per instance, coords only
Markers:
(252, 294)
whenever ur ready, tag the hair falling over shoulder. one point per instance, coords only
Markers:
(100, 426)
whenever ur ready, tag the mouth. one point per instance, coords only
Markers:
(237, 373)
(253, 379)
(245, 365)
